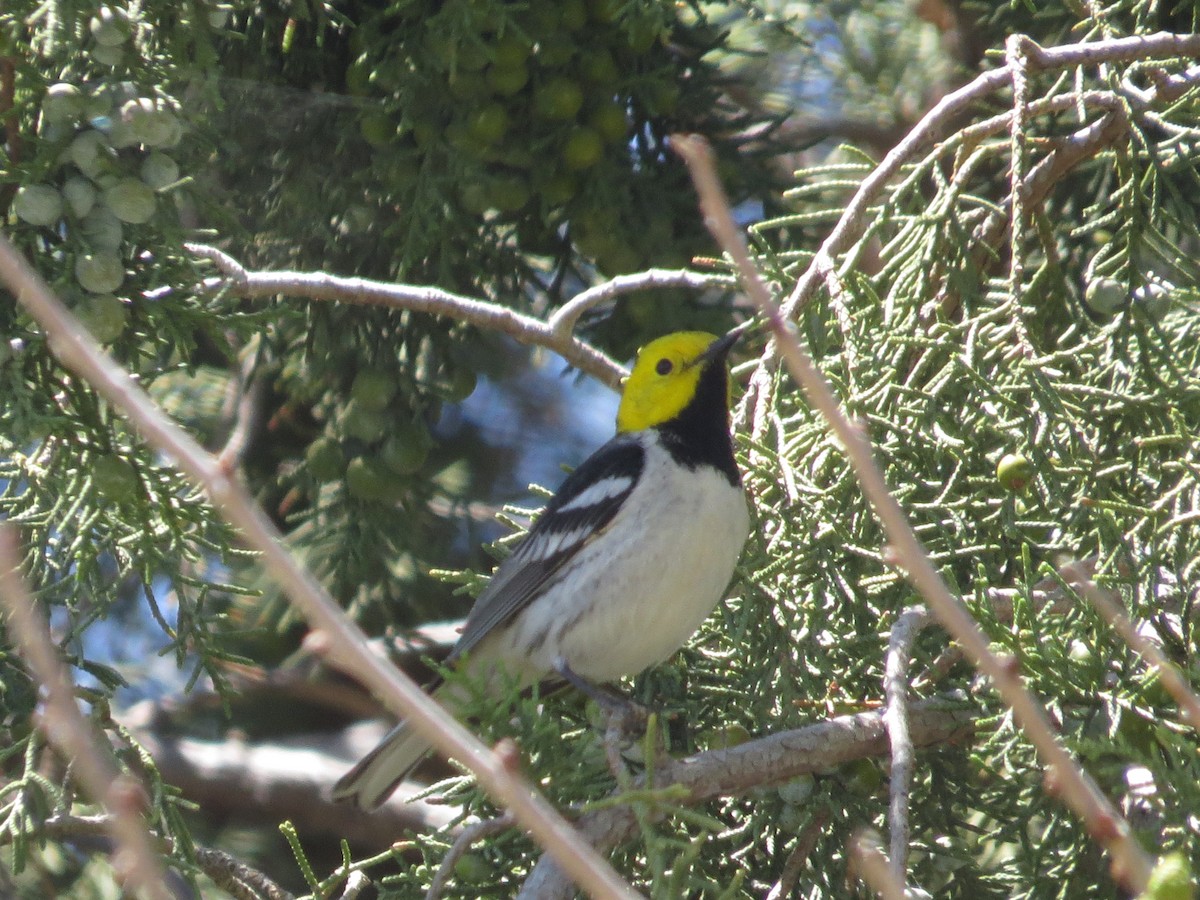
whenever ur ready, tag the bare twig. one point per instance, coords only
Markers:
(1131, 865)
(562, 322)
(136, 861)
(934, 124)
(363, 291)
(227, 872)
(1107, 604)
(870, 863)
(895, 685)
(79, 352)
(805, 843)
(466, 839)
(233, 270)
(355, 885)
(737, 770)
(235, 876)
(1017, 59)
(555, 334)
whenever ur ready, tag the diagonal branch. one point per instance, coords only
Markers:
(1130, 863)
(80, 353)
(71, 734)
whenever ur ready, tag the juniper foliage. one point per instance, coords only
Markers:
(1030, 383)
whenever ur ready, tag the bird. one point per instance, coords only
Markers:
(628, 558)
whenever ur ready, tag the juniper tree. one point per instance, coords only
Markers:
(995, 273)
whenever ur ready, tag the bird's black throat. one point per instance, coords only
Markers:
(699, 435)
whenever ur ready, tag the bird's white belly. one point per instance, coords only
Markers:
(638, 592)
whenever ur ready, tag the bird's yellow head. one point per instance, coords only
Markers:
(666, 377)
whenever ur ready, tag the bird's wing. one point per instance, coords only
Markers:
(586, 502)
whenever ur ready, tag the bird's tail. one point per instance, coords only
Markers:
(380, 772)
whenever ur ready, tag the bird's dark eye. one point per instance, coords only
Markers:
(664, 367)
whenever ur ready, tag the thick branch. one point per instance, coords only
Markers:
(768, 760)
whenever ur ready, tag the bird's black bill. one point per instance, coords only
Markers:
(722, 345)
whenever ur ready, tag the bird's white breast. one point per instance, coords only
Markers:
(635, 595)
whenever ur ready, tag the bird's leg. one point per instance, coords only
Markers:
(625, 720)
(625, 715)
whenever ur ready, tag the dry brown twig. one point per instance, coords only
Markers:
(135, 861)
(226, 872)
(870, 863)
(76, 349)
(1130, 863)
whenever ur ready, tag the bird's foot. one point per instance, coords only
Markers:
(626, 720)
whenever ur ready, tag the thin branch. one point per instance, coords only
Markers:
(76, 741)
(1131, 865)
(805, 843)
(493, 317)
(79, 352)
(226, 871)
(233, 875)
(738, 770)
(555, 334)
(895, 685)
(941, 116)
(239, 282)
(562, 322)
(870, 863)
(469, 836)
(1107, 605)
(1018, 59)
